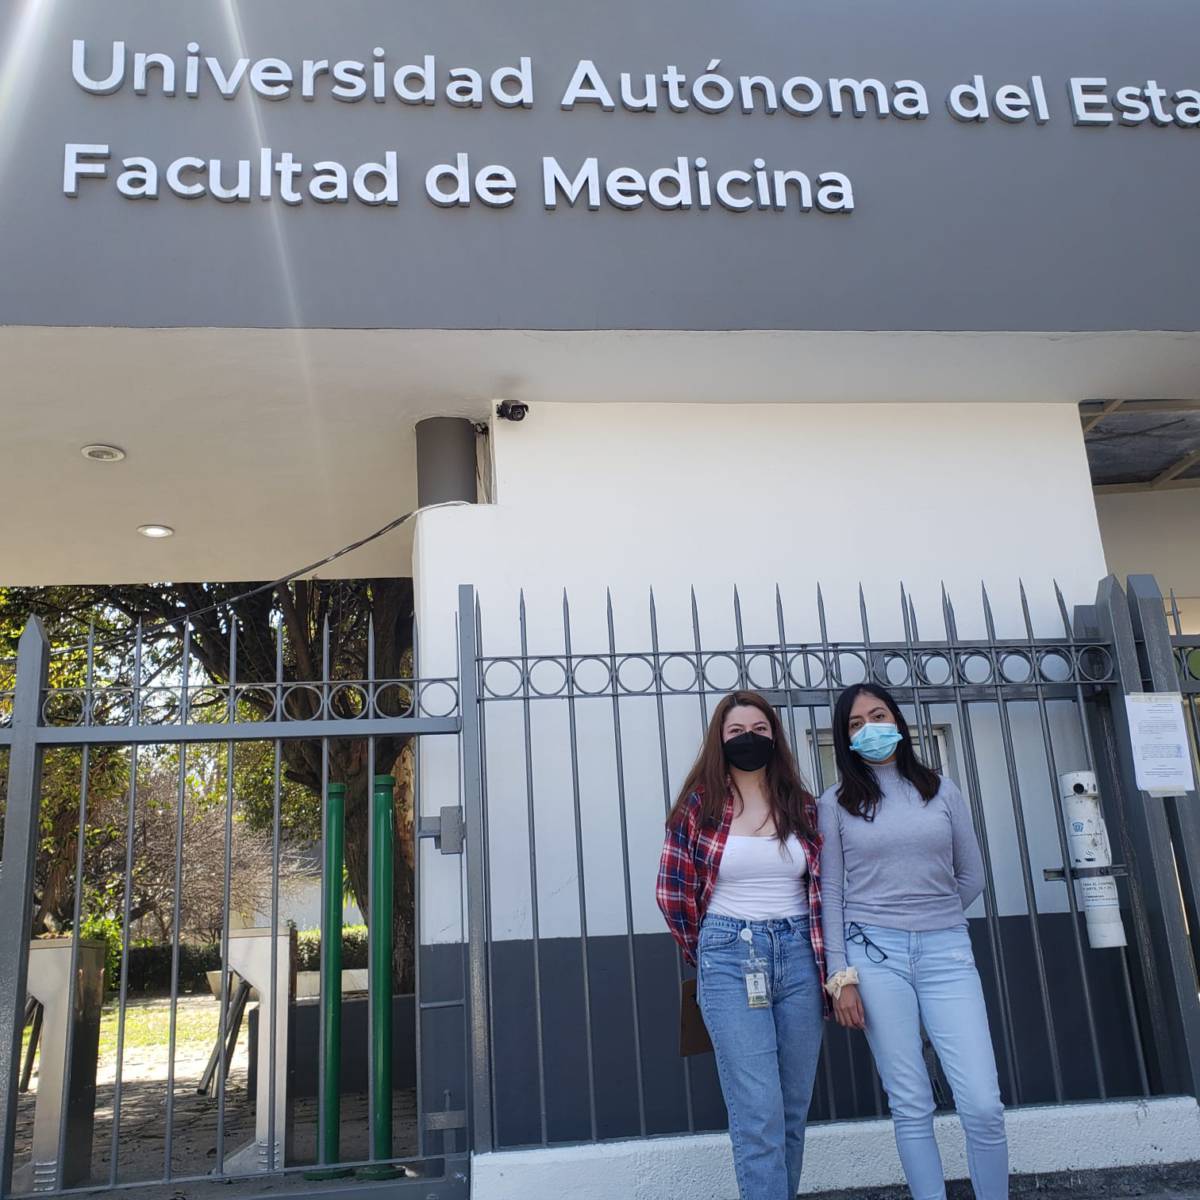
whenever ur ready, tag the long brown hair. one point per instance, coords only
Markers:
(709, 776)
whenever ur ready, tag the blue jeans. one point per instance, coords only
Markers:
(930, 978)
(766, 1057)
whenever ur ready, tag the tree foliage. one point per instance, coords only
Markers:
(299, 632)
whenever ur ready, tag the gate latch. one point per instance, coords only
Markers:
(456, 1119)
(446, 830)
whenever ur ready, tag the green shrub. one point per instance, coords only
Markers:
(107, 930)
(150, 968)
(354, 948)
(150, 963)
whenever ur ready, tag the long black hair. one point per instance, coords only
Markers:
(859, 792)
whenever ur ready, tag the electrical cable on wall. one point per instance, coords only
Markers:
(188, 617)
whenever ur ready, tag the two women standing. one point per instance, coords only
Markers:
(895, 860)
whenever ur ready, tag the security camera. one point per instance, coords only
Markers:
(512, 410)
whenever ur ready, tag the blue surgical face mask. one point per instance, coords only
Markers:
(876, 741)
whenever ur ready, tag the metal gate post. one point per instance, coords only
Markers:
(334, 828)
(379, 980)
(472, 760)
(1167, 977)
(1147, 610)
(16, 875)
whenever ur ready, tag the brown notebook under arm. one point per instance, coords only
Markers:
(693, 1033)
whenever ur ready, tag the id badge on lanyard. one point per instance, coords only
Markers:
(754, 970)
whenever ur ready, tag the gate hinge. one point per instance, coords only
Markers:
(446, 830)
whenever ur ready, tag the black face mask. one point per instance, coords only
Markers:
(749, 751)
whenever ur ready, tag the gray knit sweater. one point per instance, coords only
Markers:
(915, 867)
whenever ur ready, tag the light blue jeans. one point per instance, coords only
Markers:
(930, 979)
(766, 1057)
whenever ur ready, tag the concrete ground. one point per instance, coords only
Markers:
(141, 1143)
(1178, 1181)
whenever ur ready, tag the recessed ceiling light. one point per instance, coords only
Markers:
(155, 531)
(99, 452)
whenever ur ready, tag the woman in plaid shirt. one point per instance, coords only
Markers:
(739, 885)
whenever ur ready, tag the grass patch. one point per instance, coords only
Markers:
(148, 1025)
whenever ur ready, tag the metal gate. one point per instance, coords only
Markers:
(545, 1000)
(584, 737)
(1169, 660)
(126, 1129)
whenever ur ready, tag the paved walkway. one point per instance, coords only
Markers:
(141, 1145)
(1180, 1181)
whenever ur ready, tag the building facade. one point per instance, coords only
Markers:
(787, 297)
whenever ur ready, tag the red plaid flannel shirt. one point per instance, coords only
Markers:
(687, 874)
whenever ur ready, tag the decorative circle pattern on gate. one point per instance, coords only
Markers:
(805, 668)
(208, 704)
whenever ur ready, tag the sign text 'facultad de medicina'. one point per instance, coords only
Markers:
(582, 181)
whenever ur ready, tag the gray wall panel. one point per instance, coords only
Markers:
(957, 226)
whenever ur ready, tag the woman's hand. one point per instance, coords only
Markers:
(848, 1009)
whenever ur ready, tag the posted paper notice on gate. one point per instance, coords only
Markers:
(1162, 756)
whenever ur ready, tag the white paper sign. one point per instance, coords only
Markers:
(1162, 756)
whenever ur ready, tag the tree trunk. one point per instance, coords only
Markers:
(55, 904)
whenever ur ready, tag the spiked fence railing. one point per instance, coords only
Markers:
(1020, 701)
(134, 696)
(567, 730)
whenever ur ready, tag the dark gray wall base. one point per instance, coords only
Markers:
(563, 1061)
(306, 1032)
(1175, 1181)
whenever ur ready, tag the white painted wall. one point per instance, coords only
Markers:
(629, 497)
(845, 1155)
(1156, 533)
(300, 903)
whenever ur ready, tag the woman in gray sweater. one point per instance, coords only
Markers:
(900, 864)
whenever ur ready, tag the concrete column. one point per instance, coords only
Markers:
(445, 460)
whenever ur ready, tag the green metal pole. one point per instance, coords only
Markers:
(380, 982)
(331, 972)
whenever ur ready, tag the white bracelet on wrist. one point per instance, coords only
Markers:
(835, 983)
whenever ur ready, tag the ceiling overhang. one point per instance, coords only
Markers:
(267, 449)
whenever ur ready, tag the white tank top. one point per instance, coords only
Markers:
(760, 880)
